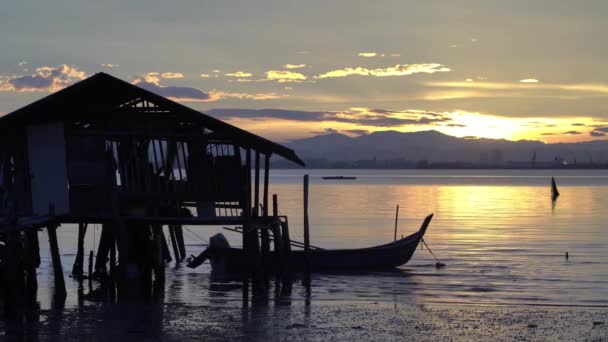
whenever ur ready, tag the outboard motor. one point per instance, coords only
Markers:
(217, 241)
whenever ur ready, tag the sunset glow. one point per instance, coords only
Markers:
(476, 81)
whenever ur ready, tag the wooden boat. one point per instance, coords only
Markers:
(387, 256)
(339, 177)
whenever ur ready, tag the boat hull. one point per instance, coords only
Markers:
(386, 256)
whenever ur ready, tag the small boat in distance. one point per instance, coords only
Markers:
(554, 192)
(339, 177)
(225, 259)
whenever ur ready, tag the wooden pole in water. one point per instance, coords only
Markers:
(396, 220)
(77, 269)
(264, 232)
(276, 232)
(306, 232)
(173, 236)
(179, 236)
(60, 291)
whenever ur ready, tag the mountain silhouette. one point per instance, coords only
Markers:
(434, 146)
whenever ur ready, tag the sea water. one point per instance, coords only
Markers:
(501, 236)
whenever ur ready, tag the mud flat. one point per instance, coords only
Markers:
(321, 321)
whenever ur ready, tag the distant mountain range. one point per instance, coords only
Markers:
(392, 149)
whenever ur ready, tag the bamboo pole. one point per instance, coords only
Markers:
(396, 219)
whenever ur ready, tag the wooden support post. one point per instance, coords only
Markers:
(286, 248)
(166, 253)
(179, 236)
(103, 251)
(264, 233)
(173, 236)
(113, 260)
(396, 220)
(60, 291)
(306, 233)
(91, 257)
(78, 268)
(13, 283)
(256, 184)
(159, 265)
(276, 232)
(247, 214)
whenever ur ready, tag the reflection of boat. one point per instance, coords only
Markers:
(339, 177)
(228, 260)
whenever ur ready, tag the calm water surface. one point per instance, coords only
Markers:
(502, 238)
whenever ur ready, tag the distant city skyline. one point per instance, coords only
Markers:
(288, 70)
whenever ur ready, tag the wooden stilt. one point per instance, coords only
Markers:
(77, 269)
(165, 246)
(179, 236)
(105, 243)
(60, 291)
(264, 233)
(113, 260)
(159, 265)
(173, 236)
(247, 246)
(286, 249)
(276, 232)
(306, 234)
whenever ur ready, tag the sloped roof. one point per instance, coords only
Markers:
(102, 91)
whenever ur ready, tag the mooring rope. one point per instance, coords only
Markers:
(438, 262)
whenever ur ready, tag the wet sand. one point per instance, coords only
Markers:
(322, 321)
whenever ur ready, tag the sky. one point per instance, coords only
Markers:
(287, 69)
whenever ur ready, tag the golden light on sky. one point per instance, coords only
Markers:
(463, 73)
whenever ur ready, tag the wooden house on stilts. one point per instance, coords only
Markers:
(108, 152)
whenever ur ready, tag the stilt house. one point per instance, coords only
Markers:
(104, 149)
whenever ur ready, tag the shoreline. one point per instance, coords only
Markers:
(320, 321)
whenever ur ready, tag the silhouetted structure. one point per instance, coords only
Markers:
(108, 152)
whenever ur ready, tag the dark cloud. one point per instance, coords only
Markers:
(45, 78)
(364, 117)
(298, 115)
(601, 129)
(597, 134)
(572, 133)
(578, 124)
(174, 92)
(454, 125)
